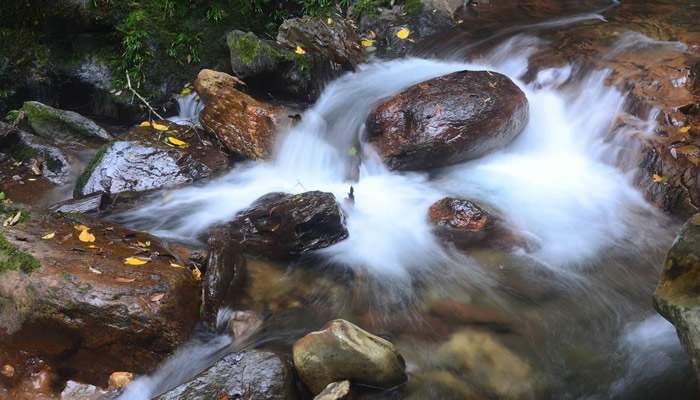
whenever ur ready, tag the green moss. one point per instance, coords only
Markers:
(247, 47)
(89, 169)
(413, 8)
(11, 259)
(24, 153)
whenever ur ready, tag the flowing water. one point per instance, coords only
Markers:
(578, 296)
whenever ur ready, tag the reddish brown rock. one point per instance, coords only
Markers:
(85, 309)
(244, 126)
(448, 120)
(461, 221)
(210, 82)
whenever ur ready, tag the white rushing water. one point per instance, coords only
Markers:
(188, 108)
(553, 183)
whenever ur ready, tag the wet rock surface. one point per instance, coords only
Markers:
(344, 351)
(61, 125)
(79, 304)
(249, 374)
(461, 221)
(677, 297)
(282, 226)
(92, 204)
(448, 120)
(210, 82)
(244, 126)
(336, 391)
(146, 163)
(226, 273)
(336, 41)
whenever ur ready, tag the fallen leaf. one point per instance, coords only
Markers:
(299, 50)
(12, 220)
(657, 178)
(32, 179)
(95, 271)
(176, 265)
(367, 42)
(673, 152)
(49, 236)
(159, 127)
(330, 20)
(148, 244)
(125, 280)
(68, 236)
(118, 93)
(36, 166)
(92, 246)
(489, 72)
(186, 91)
(372, 34)
(134, 261)
(197, 274)
(459, 21)
(145, 123)
(296, 197)
(86, 236)
(685, 129)
(403, 33)
(492, 84)
(81, 227)
(157, 297)
(487, 100)
(176, 142)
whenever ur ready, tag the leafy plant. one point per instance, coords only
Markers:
(185, 48)
(216, 13)
(11, 115)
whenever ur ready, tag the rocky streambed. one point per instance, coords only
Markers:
(428, 229)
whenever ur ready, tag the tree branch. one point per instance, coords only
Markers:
(128, 81)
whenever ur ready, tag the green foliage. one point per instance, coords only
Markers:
(185, 48)
(11, 115)
(216, 13)
(247, 48)
(413, 8)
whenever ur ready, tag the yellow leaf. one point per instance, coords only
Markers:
(330, 20)
(372, 35)
(176, 265)
(367, 42)
(86, 236)
(92, 246)
(145, 123)
(49, 236)
(299, 50)
(657, 178)
(176, 142)
(159, 127)
(134, 261)
(31, 179)
(186, 91)
(81, 227)
(197, 274)
(403, 33)
(685, 129)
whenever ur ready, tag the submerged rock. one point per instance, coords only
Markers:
(60, 125)
(336, 391)
(336, 41)
(448, 120)
(243, 125)
(54, 164)
(249, 374)
(209, 83)
(677, 297)
(281, 226)
(491, 366)
(76, 302)
(344, 351)
(461, 221)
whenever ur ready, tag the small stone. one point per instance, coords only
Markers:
(8, 370)
(244, 324)
(335, 391)
(119, 380)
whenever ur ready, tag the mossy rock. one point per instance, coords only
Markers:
(60, 125)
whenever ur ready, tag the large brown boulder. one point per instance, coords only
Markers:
(244, 126)
(448, 120)
(336, 40)
(344, 351)
(210, 82)
(282, 226)
(70, 295)
(677, 297)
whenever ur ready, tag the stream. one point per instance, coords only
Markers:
(577, 295)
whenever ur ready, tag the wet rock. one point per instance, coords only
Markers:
(492, 366)
(34, 380)
(119, 380)
(336, 391)
(336, 41)
(78, 304)
(54, 164)
(247, 375)
(440, 384)
(460, 221)
(467, 313)
(448, 120)
(133, 166)
(210, 82)
(282, 226)
(76, 390)
(244, 126)
(269, 67)
(92, 204)
(226, 274)
(677, 297)
(244, 324)
(343, 351)
(60, 125)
